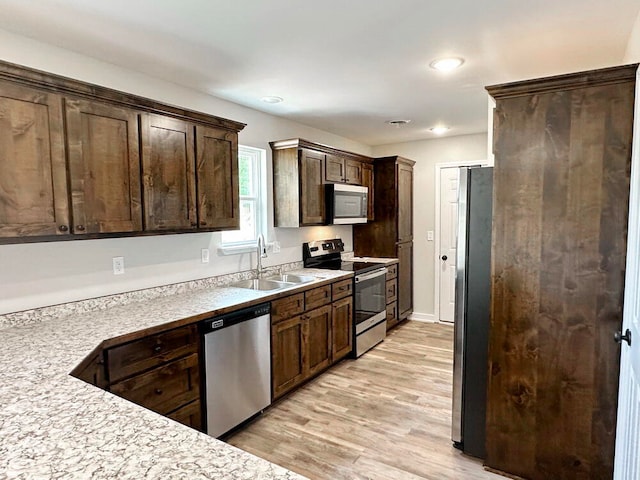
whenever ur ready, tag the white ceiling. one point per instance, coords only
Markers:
(345, 66)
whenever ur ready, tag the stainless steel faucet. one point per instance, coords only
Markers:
(261, 253)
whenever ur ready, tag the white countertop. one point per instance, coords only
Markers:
(382, 260)
(55, 426)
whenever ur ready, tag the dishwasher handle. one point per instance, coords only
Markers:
(237, 316)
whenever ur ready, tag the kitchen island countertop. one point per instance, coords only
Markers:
(53, 425)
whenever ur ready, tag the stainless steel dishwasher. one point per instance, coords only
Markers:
(237, 354)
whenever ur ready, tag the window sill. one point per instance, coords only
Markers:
(236, 249)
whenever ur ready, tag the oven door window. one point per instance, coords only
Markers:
(370, 298)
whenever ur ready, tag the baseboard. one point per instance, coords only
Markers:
(423, 317)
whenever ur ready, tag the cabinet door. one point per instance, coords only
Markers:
(104, 166)
(168, 173)
(334, 169)
(33, 182)
(353, 172)
(217, 178)
(367, 181)
(288, 364)
(405, 202)
(342, 328)
(318, 339)
(405, 279)
(311, 188)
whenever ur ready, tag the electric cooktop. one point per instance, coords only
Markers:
(326, 254)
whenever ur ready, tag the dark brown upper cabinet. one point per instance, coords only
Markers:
(300, 171)
(312, 210)
(172, 175)
(334, 168)
(343, 170)
(217, 176)
(104, 167)
(405, 201)
(33, 185)
(353, 172)
(83, 161)
(168, 173)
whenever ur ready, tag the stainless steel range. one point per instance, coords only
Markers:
(369, 290)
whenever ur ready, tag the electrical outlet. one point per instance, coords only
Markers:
(118, 265)
(276, 247)
(204, 255)
(430, 236)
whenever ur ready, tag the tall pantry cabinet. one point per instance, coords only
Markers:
(391, 233)
(562, 150)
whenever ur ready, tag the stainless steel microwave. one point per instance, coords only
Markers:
(346, 204)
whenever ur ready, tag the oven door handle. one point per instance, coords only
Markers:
(368, 276)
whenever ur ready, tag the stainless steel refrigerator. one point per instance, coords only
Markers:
(472, 309)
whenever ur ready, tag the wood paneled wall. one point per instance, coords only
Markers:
(561, 188)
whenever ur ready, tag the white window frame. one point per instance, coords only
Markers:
(259, 158)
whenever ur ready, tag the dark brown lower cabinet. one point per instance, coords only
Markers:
(317, 335)
(160, 372)
(561, 193)
(405, 279)
(163, 389)
(392, 296)
(342, 328)
(287, 355)
(190, 415)
(318, 341)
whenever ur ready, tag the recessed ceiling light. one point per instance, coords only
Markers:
(446, 64)
(439, 130)
(398, 123)
(272, 99)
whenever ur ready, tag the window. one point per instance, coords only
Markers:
(253, 211)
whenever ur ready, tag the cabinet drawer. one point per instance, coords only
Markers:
(317, 297)
(165, 388)
(287, 307)
(148, 352)
(392, 271)
(392, 290)
(189, 415)
(341, 289)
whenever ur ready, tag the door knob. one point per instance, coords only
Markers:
(444, 258)
(619, 337)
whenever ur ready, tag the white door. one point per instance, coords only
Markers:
(627, 457)
(447, 232)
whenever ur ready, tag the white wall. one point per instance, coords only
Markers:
(428, 153)
(632, 54)
(39, 274)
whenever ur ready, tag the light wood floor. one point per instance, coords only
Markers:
(386, 415)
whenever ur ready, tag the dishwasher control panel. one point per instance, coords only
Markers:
(237, 316)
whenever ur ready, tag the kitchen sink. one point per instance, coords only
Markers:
(291, 278)
(261, 284)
